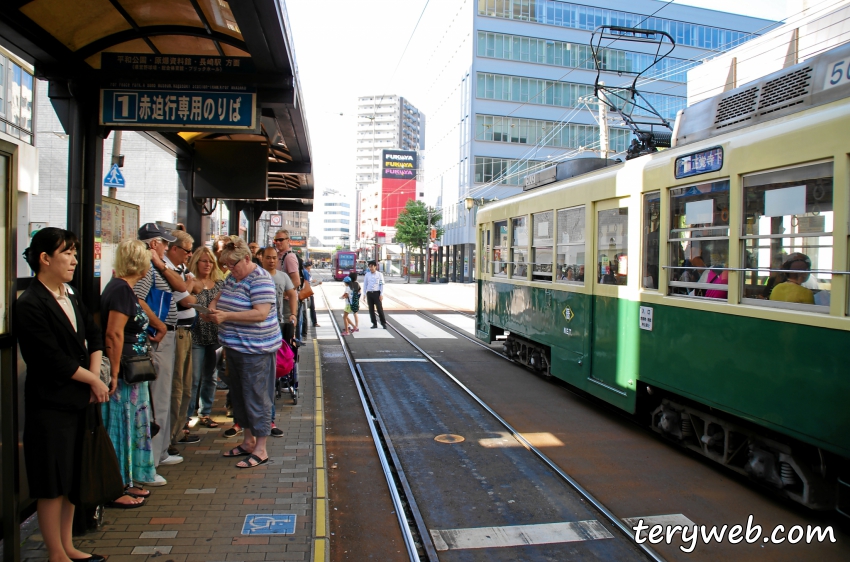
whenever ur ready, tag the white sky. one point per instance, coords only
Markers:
(349, 48)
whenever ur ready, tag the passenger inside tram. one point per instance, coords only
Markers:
(792, 289)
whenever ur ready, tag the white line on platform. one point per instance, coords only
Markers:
(421, 328)
(465, 323)
(519, 535)
(395, 360)
(367, 333)
(666, 521)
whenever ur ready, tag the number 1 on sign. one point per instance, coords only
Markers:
(124, 101)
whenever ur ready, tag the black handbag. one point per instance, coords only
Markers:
(137, 368)
(100, 480)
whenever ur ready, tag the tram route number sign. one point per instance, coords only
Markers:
(179, 107)
(646, 318)
(703, 162)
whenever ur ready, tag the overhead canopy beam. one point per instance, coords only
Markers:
(291, 167)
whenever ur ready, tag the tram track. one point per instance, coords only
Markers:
(419, 543)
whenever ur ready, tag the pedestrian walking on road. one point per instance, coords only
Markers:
(373, 285)
(352, 305)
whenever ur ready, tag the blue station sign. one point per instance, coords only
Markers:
(179, 107)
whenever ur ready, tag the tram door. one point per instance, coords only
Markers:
(614, 314)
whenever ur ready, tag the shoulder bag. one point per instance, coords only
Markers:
(306, 291)
(100, 474)
(138, 368)
(159, 301)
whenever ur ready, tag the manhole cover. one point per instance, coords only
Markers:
(449, 438)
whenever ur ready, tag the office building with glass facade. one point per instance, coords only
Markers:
(531, 72)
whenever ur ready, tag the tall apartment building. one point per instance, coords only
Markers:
(530, 72)
(383, 122)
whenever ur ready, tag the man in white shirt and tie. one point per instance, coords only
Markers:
(373, 285)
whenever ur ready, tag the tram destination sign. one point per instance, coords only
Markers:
(178, 107)
(703, 162)
(130, 62)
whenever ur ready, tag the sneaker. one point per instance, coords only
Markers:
(172, 459)
(233, 431)
(190, 439)
(345, 333)
(220, 385)
(172, 450)
(229, 413)
(276, 432)
(356, 330)
(157, 481)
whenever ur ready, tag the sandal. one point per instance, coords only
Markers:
(141, 494)
(237, 451)
(252, 462)
(207, 421)
(118, 505)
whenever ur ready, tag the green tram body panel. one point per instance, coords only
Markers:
(724, 361)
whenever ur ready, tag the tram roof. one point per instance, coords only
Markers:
(66, 40)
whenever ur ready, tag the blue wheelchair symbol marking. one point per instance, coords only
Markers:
(268, 524)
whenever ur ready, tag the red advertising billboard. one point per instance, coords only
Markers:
(398, 183)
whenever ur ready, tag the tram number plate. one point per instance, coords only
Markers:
(838, 73)
(646, 318)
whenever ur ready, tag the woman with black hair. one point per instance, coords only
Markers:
(62, 347)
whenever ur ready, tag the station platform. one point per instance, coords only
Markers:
(211, 511)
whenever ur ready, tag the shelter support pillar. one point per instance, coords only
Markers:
(85, 181)
(188, 211)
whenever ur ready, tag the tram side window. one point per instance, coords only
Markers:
(519, 247)
(571, 246)
(651, 239)
(612, 245)
(699, 240)
(788, 241)
(541, 246)
(500, 249)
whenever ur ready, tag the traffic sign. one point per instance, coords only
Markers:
(114, 178)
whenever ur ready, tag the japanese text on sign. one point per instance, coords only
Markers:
(646, 318)
(699, 163)
(183, 63)
(183, 108)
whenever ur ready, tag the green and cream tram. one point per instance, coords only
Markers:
(705, 286)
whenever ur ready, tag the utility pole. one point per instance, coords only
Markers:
(603, 124)
(116, 159)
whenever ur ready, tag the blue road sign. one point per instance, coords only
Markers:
(269, 524)
(114, 178)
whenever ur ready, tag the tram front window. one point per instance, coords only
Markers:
(699, 240)
(788, 242)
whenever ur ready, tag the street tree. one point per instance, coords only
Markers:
(413, 223)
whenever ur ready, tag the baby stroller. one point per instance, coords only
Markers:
(286, 374)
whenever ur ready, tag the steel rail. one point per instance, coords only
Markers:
(555, 468)
(407, 534)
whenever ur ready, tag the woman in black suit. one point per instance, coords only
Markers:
(62, 347)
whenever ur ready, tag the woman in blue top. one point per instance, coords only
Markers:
(250, 335)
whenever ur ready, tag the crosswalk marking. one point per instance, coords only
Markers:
(368, 333)
(465, 323)
(325, 331)
(421, 328)
(519, 535)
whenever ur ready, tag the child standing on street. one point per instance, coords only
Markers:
(352, 305)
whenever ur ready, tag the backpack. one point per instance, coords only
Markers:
(355, 301)
(300, 267)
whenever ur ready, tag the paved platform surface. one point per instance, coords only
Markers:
(199, 515)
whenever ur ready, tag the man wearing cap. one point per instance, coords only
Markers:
(164, 341)
(373, 285)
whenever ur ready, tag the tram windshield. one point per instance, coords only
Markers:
(345, 261)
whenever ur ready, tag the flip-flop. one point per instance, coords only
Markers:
(116, 505)
(240, 452)
(146, 493)
(257, 462)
